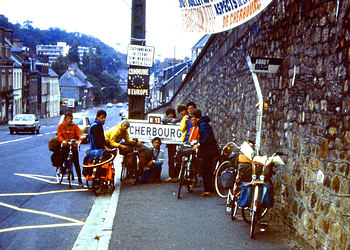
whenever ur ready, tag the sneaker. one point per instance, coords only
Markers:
(205, 194)
(81, 184)
(169, 180)
(175, 180)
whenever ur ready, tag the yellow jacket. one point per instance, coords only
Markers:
(114, 135)
(183, 127)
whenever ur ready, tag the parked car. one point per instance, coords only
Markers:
(109, 105)
(120, 105)
(24, 123)
(83, 123)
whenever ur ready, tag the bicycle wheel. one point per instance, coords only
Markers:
(234, 209)
(69, 173)
(123, 172)
(246, 214)
(222, 192)
(97, 186)
(59, 175)
(253, 224)
(182, 173)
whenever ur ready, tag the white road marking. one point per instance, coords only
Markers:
(21, 139)
(99, 223)
(40, 135)
(48, 133)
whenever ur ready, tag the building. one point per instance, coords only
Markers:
(197, 48)
(52, 51)
(74, 85)
(6, 75)
(165, 82)
(84, 50)
(54, 94)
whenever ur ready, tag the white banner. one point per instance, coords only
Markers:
(213, 16)
(144, 131)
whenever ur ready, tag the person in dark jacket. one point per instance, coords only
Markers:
(171, 118)
(208, 150)
(96, 133)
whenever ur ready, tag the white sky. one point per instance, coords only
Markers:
(109, 21)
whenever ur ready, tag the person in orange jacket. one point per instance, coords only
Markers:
(67, 131)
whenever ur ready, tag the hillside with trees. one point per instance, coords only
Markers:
(104, 69)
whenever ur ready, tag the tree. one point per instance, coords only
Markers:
(60, 65)
(73, 55)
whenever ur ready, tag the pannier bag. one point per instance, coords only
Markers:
(228, 178)
(245, 196)
(267, 197)
(54, 144)
(57, 159)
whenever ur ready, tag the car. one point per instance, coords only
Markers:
(24, 123)
(124, 113)
(109, 105)
(83, 123)
(120, 105)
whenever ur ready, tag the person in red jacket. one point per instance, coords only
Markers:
(67, 131)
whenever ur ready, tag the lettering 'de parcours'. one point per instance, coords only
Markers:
(213, 16)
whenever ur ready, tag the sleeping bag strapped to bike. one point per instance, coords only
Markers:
(245, 169)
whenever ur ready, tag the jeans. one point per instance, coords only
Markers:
(151, 174)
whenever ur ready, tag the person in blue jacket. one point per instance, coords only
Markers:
(208, 151)
(96, 135)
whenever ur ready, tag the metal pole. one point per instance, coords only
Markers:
(260, 106)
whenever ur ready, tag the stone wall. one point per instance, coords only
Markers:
(308, 117)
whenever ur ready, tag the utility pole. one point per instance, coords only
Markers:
(138, 34)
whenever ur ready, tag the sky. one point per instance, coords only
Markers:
(109, 21)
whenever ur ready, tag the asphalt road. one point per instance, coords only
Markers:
(35, 211)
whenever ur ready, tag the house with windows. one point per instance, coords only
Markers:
(74, 85)
(6, 75)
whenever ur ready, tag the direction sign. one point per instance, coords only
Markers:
(140, 55)
(145, 131)
(265, 64)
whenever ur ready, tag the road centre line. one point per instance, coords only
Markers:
(21, 139)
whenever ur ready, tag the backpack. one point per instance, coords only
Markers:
(54, 144)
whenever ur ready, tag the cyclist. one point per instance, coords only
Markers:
(191, 106)
(208, 151)
(96, 133)
(67, 131)
(115, 135)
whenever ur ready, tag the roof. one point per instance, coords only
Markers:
(52, 73)
(201, 43)
(69, 80)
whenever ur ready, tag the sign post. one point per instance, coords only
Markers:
(263, 65)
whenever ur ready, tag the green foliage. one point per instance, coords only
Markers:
(73, 55)
(60, 65)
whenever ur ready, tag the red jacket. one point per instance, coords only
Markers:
(66, 133)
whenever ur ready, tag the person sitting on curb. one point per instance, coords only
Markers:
(152, 171)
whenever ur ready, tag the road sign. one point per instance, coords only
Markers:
(145, 131)
(69, 102)
(265, 64)
(140, 55)
(138, 81)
